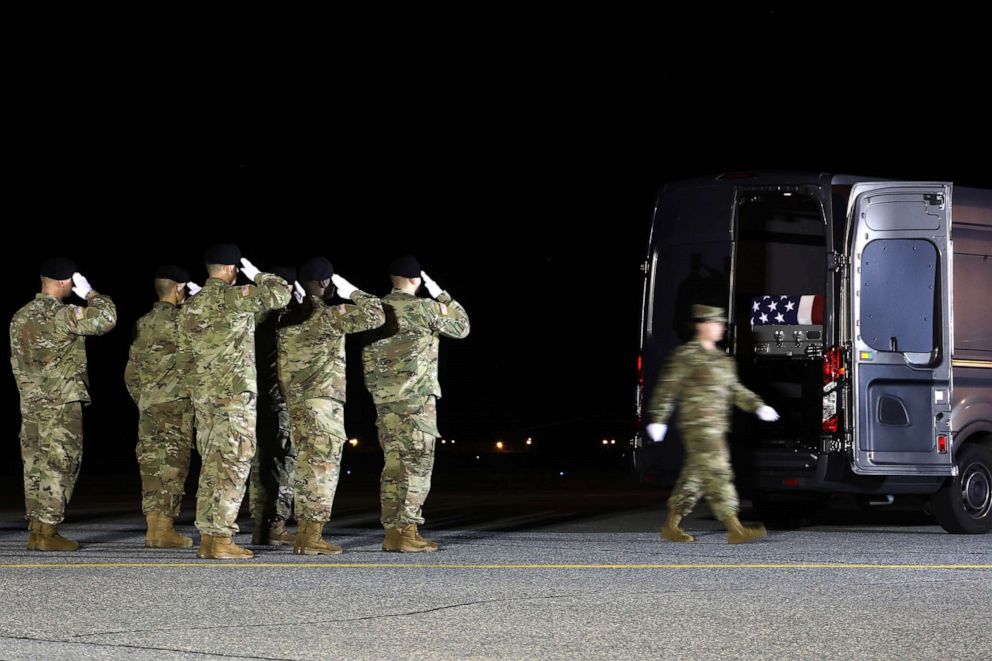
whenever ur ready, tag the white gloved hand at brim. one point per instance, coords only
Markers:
(81, 286)
(432, 287)
(250, 270)
(345, 288)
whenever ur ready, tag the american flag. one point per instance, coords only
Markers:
(787, 310)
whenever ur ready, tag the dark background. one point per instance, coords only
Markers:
(520, 170)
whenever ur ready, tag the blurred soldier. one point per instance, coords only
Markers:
(270, 489)
(400, 366)
(218, 327)
(702, 380)
(48, 357)
(312, 373)
(157, 377)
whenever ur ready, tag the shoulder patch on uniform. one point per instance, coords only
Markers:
(444, 308)
(245, 290)
(79, 312)
(342, 309)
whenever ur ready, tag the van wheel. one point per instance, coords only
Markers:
(787, 510)
(964, 504)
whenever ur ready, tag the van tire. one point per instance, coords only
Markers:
(963, 505)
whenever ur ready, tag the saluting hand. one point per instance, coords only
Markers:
(432, 287)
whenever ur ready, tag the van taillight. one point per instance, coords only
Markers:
(833, 372)
(833, 365)
(942, 443)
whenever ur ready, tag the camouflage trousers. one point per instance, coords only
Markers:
(225, 438)
(406, 434)
(270, 490)
(165, 439)
(51, 451)
(318, 431)
(705, 474)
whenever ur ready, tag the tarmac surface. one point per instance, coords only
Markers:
(552, 574)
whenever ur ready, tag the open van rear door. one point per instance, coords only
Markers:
(899, 275)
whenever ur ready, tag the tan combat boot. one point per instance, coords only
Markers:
(392, 541)
(272, 533)
(672, 531)
(430, 542)
(33, 535)
(404, 540)
(47, 538)
(310, 542)
(216, 547)
(739, 534)
(162, 535)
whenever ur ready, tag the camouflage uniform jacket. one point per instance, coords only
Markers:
(311, 345)
(48, 351)
(400, 359)
(704, 385)
(156, 369)
(217, 327)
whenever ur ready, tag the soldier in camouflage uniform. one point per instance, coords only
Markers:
(48, 357)
(218, 327)
(156, 378)
(400, 366)
(312, 374)
(270, 488)
(702, 381)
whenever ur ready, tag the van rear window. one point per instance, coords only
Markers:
(898, 306)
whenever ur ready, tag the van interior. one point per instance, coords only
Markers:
(777, 336)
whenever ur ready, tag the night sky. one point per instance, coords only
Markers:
(525, 187)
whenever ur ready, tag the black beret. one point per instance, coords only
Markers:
(171, 272)
(316, 268)
(406, 266)
(58, 268)
(222, 253)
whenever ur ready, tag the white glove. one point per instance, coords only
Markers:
(298, 292)
(432, 287)
(193, 288)
(249, 269)
(657, 431)
(767, 413)
(345, 288)
(81, 286)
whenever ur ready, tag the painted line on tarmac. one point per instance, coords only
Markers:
(394, 565)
